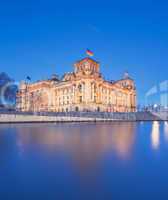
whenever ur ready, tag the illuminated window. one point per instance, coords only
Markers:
(80, 99)
(80, 88)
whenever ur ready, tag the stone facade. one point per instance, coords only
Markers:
(82, 90)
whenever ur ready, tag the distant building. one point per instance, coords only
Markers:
(81, 90)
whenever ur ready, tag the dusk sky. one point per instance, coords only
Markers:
(39, 38)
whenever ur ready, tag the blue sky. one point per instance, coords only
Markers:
(39, 38)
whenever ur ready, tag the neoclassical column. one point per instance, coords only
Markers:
(92, 91)
(100, 93)
(83, 91)
(74, 93)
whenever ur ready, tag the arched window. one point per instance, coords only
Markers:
(80, 88)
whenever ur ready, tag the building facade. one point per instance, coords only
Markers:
(84, 89)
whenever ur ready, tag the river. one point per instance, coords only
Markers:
(84, 161)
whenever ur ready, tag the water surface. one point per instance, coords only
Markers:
(115, 160)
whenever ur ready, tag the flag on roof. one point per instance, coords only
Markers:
(89, 52)
(28, 78)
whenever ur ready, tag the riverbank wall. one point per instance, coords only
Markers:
(78, 117)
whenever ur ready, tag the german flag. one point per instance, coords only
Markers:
(89, 53)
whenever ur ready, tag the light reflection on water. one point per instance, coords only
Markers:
(81, 140)
(166, 130)
(155, 136)
(115, 160)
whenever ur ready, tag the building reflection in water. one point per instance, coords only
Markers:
(155, 135)
(82, 141)
(166, 131)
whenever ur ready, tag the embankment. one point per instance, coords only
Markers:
(77, 117)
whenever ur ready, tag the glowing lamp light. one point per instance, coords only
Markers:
(155, 106)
